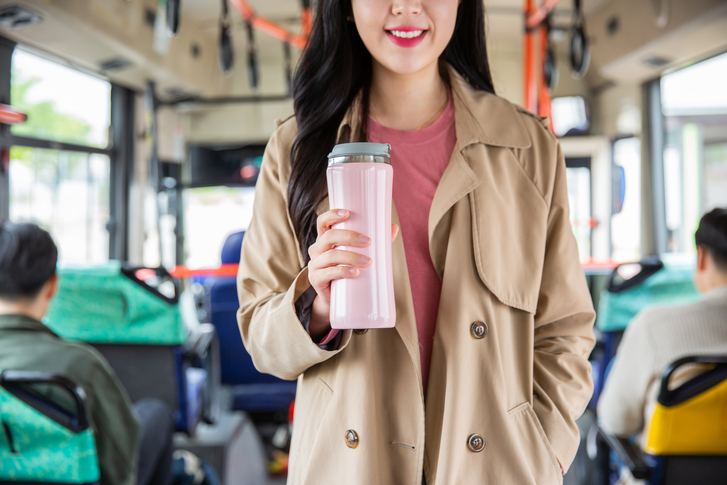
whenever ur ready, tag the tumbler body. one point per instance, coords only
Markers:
(363, 187)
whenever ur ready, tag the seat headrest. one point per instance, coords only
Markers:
(231, 249)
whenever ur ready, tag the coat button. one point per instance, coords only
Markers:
(479, 329)
(351, 439)
(361, 331)
(476, 443)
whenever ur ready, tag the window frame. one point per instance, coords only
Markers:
(120, 151)
(655, 233)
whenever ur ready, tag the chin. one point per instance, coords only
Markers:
(405, 65)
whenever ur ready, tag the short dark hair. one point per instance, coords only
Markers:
(712, 236)
(28, 258)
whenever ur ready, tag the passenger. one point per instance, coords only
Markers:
(494, 317)
(134, 443)
(660, 335)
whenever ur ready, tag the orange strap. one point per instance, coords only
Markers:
(11, 116)
(231, 269)
(223, 270)
(271, 28)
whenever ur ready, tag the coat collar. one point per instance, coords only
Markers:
(480, 117)
(23, 323)
(717, 294)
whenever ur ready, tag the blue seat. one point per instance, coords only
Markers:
(252, 390)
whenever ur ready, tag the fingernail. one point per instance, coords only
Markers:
(365, 239)
(342, 213)
(365, 259)
(353, 270)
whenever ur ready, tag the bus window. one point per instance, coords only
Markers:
(68, 194)
(210, 215)
(62, 104)
(626, 222)
(578, 175)
(694, 104)
(59, 171)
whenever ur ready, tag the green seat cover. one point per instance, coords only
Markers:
(45, 451)
(99, 304)
(670, 285)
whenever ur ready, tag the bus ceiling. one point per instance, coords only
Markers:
(178, 47)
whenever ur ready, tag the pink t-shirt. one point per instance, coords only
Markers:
(419, 159)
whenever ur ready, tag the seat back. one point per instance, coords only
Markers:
(691, 419)
(42, 440)
(252, 390)
(688, 430)
(111, 304)
(652, 283)
(132, 316)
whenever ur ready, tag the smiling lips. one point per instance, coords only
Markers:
(406, 36)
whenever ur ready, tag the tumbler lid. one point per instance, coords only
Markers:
(371, 149)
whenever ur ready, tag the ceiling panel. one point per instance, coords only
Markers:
(504, 23)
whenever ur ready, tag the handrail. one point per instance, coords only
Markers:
(182, 272)
(669, 397)
(535, 18)
(11, 378)
(224, 270)
(11, 116)
(537, 94)
(271, 28)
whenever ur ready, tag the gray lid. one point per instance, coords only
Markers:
(348, 149)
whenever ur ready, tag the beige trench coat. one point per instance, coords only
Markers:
(501, 241)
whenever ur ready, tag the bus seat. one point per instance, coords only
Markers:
(42, 440)
(114, 303)
(633, 287)
(252, 391)
(651, 283)
(686, 441)
(132, 317)
(232, 248)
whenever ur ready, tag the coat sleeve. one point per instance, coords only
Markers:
(272, 277)
(562, 384)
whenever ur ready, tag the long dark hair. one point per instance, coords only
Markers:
(334, 68)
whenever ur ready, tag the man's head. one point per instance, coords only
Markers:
(711, 239)
(28, 280)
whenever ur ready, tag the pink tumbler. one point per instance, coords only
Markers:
(359, 180)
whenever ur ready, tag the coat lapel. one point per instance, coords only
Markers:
(495, 123)
(457, 181)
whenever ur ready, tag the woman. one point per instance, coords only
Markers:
(486, 370)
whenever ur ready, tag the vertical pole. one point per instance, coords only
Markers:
(306, 18)
(544, 92)
(529, 82)
(654, 237)
(122, 170)
(6, 55)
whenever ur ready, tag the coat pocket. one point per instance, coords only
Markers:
(311, 414)
(534, 445)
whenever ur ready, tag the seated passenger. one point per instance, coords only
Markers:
(134, 443)
(659, 336)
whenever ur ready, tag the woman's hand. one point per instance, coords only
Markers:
(327, 263)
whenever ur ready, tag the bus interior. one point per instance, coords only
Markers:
(134, 131)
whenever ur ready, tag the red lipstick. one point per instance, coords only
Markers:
(406, 35)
